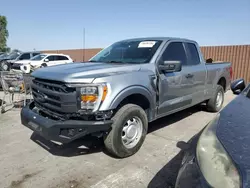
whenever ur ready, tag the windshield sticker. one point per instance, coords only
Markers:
(146, 44)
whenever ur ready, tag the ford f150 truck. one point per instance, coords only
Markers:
(121, 89)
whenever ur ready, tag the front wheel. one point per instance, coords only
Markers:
(129, 129)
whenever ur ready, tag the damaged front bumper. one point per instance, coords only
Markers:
(63, 131)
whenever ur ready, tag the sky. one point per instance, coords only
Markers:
(59, 24)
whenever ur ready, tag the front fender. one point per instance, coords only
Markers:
(130, 91)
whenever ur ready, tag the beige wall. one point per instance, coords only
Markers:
(77, 54)
(238, 55)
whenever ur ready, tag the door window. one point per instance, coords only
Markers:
(175, 52)
(193, 55)
(34, 54)
(60, 58)
(51, 58)
(24, 56)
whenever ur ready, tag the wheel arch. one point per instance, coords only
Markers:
(222, 82)
(136, 95)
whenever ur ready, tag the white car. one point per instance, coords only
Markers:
(41, 60)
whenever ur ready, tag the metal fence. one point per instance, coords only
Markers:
(238, 55)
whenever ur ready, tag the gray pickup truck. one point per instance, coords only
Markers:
(121, 89)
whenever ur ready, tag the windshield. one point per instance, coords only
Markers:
(140, 51)
(38, 57)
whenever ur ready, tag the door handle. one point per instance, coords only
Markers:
(189, 76)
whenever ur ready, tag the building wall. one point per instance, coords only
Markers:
(238, 55)
(78, 55)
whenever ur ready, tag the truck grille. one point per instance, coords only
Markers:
(54, 97)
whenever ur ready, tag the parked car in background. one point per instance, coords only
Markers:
(4, 65)
(10, 56)
(219, 155)
(25, 56)
(3, 55)
(121, 89)
(41, 60)
(8, 63)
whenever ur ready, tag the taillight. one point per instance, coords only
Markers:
(231, 72)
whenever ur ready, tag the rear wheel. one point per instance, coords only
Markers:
(128, 133)
(216, 102)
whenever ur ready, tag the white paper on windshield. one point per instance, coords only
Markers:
(146, 44)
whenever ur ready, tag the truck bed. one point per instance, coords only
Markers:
(216, 70)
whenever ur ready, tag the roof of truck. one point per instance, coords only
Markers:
(159, 38)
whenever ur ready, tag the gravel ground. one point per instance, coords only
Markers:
(28, 161)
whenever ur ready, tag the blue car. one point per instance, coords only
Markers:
(219, 156)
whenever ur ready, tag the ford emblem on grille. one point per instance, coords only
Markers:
(41, 97)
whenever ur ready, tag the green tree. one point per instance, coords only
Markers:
(3, 34)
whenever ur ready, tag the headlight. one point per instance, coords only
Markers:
(91, 96)
(215, 164)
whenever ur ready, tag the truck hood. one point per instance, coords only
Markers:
(83, 72)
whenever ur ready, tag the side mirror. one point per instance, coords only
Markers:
(46, 60)
(170, 66)
(238, 86)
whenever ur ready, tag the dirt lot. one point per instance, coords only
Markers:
(29, 161)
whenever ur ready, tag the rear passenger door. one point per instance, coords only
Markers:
(195, 72)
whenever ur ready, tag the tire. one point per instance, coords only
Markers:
(114, 140)
(212, 104)
(43, 65)
(5, 66)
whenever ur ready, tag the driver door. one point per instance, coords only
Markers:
(174, 88)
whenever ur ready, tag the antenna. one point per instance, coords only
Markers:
(83, 45)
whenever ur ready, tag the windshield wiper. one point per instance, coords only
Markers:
(118, 62)
(105, 61)
(92, 61)
(135, 62)
(114, 62)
